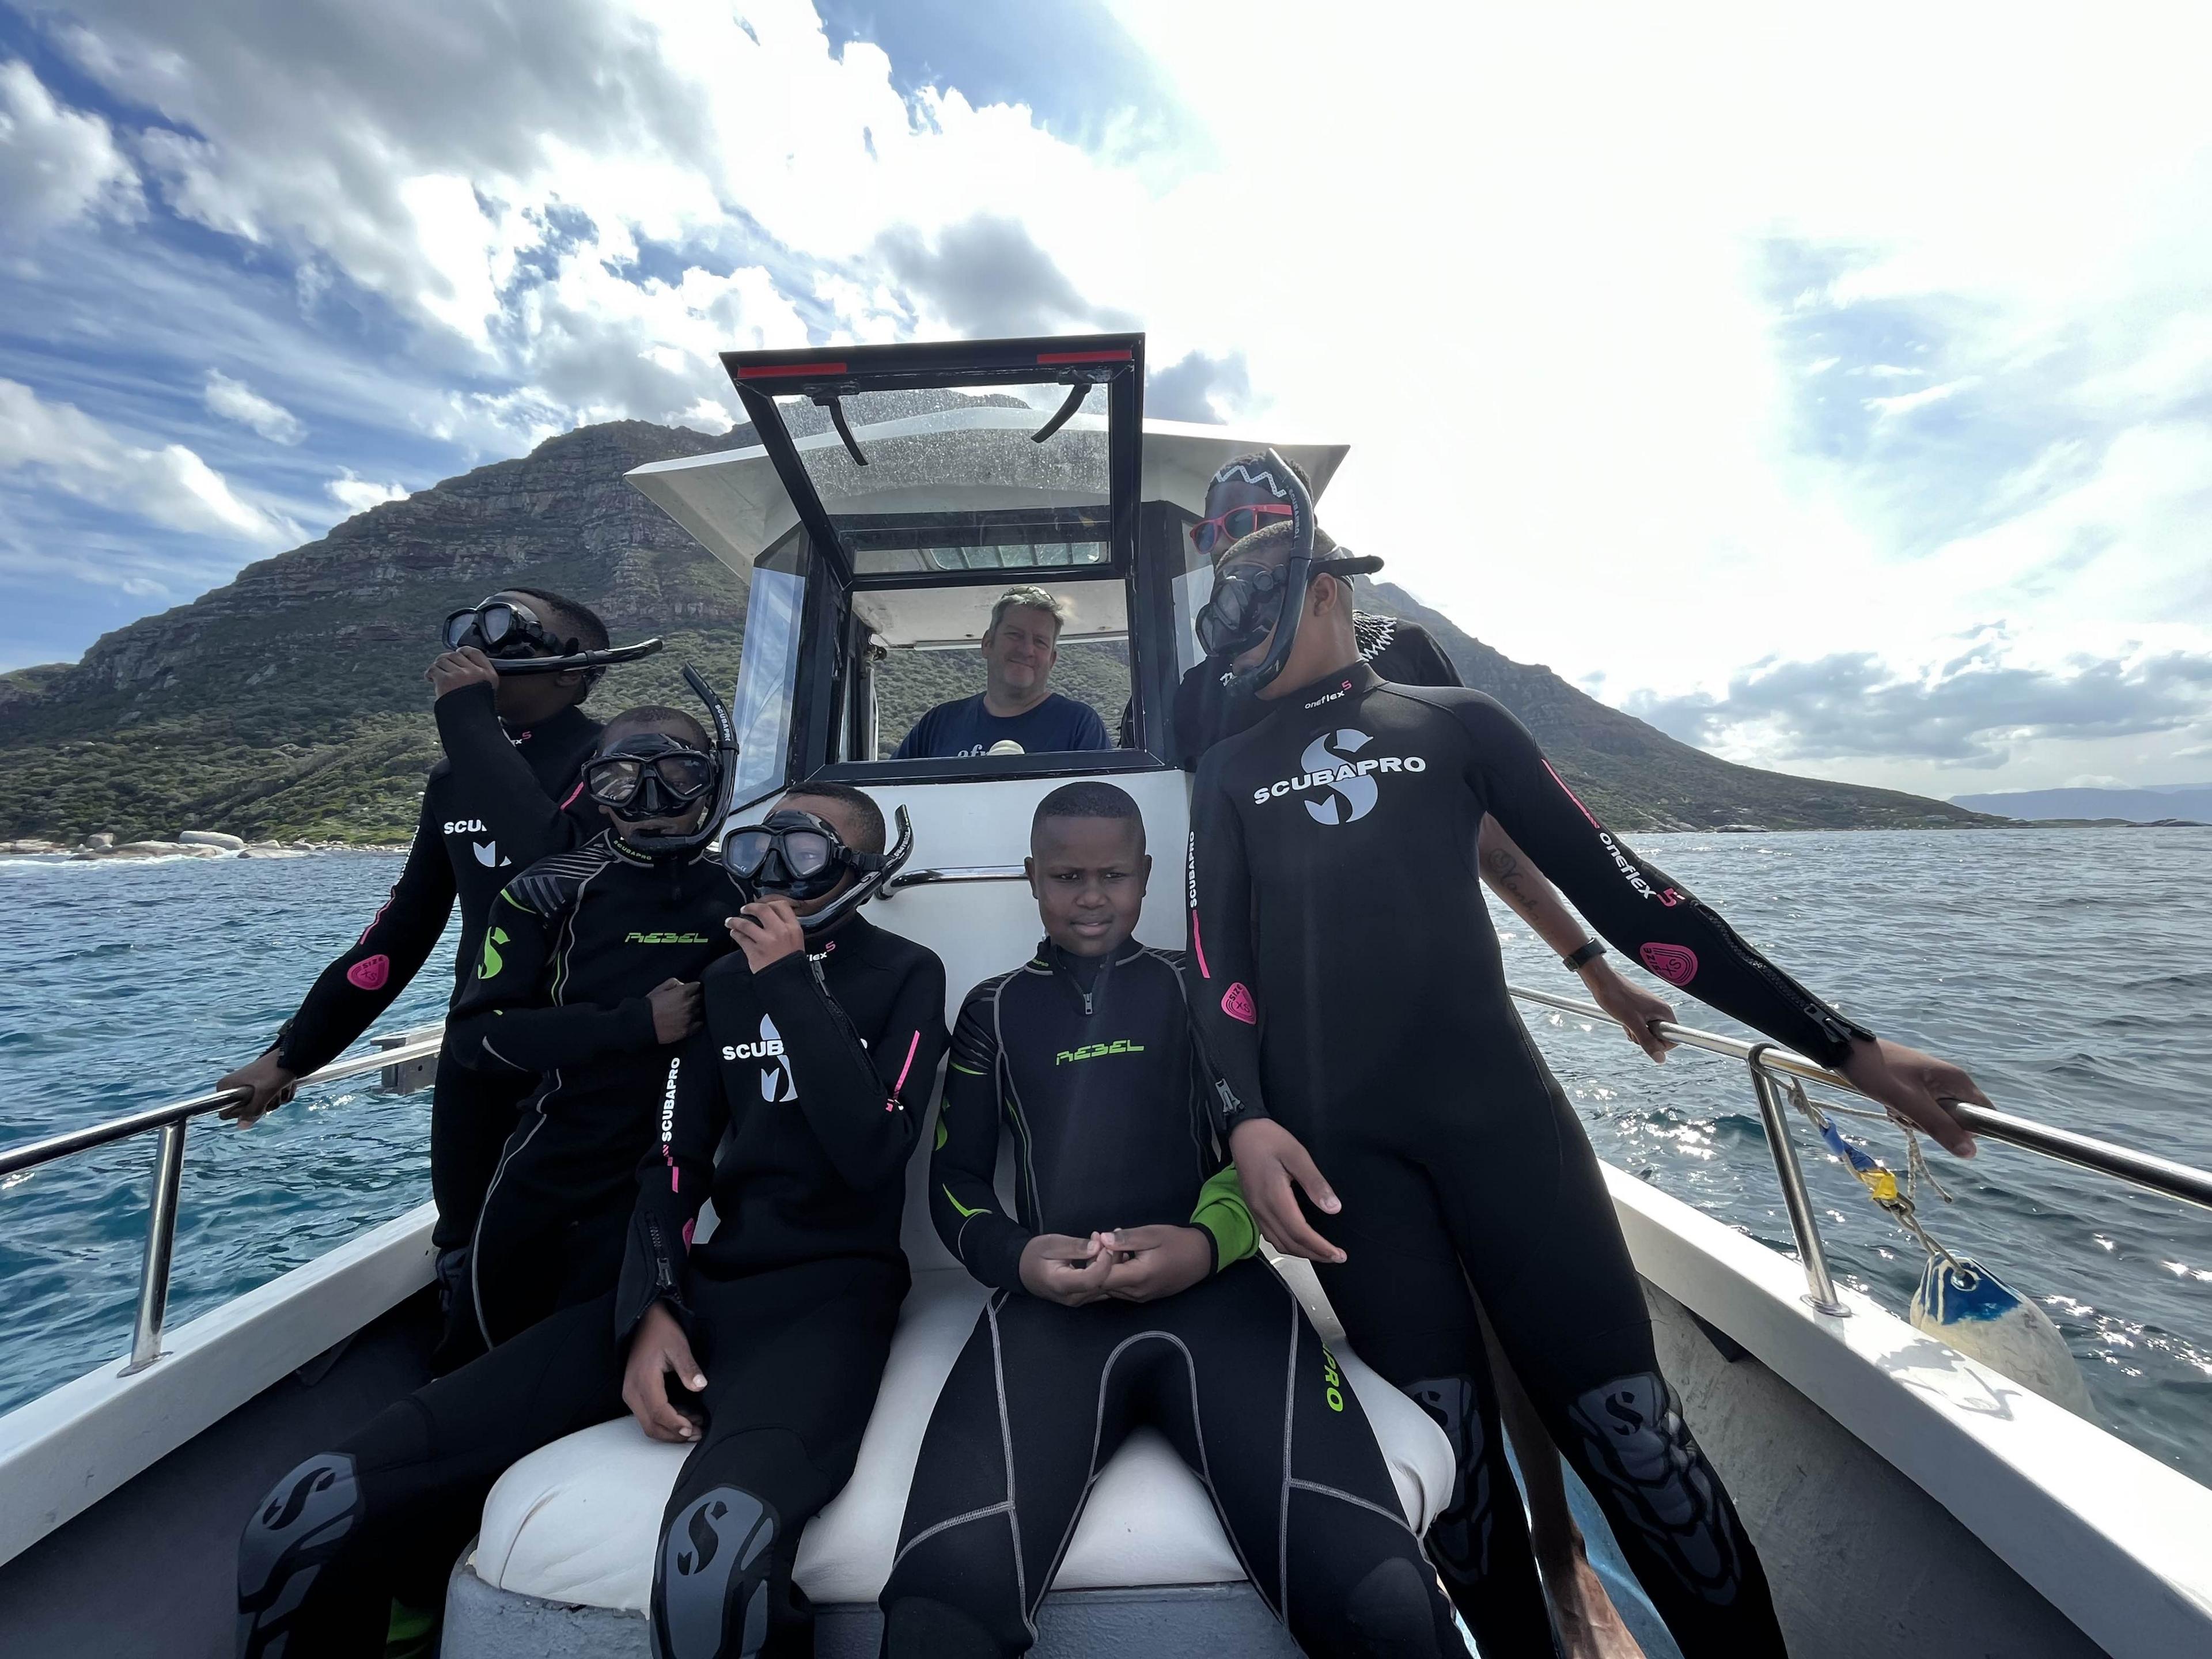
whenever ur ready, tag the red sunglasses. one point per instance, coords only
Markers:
(1233, 525)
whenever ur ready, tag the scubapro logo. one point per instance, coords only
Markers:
(465, 827)
(668, 1102)
(486, 852)
(776, 1082)
(1333, 763)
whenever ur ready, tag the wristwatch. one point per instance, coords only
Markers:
(1582, 958)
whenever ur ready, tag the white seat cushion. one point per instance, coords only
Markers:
(577, 1521)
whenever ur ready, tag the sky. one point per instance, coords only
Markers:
(1833, 390)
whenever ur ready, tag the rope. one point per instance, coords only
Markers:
(1881, 1183)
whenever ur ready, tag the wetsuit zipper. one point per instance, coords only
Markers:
(662, 1278)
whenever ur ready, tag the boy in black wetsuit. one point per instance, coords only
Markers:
(1126, 1291)
(1345, 978)
(588, 970)
(504, 795)
(773, 1328)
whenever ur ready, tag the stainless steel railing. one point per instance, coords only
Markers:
(1767, 1060)
(170, 1122)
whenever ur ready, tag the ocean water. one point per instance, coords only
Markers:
(2071, 970)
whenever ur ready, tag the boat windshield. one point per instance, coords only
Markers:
(931, 484)
(926, 480)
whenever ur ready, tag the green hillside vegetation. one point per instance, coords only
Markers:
(289, 704)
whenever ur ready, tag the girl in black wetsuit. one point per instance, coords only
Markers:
(1125, 1291)
(1346, 982)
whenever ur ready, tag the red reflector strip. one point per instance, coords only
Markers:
(784, 371)
(1083, 356)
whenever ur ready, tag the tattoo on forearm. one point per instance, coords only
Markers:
(1505, 876)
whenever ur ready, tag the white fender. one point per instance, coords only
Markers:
(1974, 1311)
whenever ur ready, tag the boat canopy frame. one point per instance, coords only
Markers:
(828, 648)
(1080, 362)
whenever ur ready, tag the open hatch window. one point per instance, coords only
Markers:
(923, 483)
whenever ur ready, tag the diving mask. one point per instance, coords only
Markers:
(519, 642)
(796, 855)
(649, 774)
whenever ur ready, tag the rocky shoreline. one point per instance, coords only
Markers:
(189, 843)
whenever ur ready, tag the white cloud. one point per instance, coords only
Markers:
(1904, 402)
(1726, 337)
(1975, 709)
(169, 485)
(234, 400)
(55, 163)
(498, 187)
(357, 495)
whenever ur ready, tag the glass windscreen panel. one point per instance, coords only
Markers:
(958, 460)
(909, 683)
(935, 650)
(768, 679)
(1046, 539)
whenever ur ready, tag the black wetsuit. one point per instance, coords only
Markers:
(1346, 980)
(1206, 711)
(572, 949)
(1090, 1063)
(495, 805)
(790, 1303)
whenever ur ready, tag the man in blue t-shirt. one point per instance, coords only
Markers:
(1016, 713)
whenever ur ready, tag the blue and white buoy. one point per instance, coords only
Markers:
(1963, 1303)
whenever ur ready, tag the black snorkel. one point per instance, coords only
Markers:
(508, 633)
(793, 854)
(605, 778)
(584, 660)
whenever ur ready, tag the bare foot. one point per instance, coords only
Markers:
(1590, 1624)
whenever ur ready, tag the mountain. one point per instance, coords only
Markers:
(2143, 805)
(289, 703)
(1637, 777)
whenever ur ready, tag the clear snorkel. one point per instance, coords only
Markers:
(1297, 572)
(1234, 619)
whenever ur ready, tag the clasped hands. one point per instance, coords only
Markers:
(1131, 1264)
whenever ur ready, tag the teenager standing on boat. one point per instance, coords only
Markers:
(761, 1346)
(504, 795)
(1348, 983)
(1212, 703)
